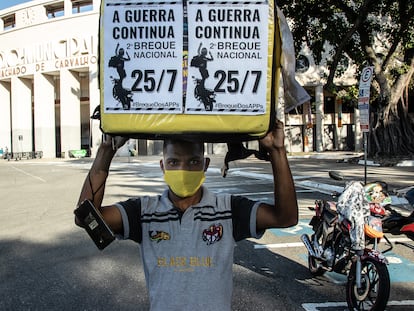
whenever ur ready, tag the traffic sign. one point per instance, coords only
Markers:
(363, 99)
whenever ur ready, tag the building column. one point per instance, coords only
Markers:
(70, 122)
(307, 126)
(44, 115)
(280, 111)
(357, 131)
(319, 118)
(5, 124)
(94, 100)
(96, 5)
(338, 125)
(21, 115)
(67, 7)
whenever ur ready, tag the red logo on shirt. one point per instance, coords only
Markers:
(213, 234)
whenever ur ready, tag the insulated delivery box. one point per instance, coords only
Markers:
(204, 68)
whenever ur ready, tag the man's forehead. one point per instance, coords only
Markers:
(180, 147)
(183, 149)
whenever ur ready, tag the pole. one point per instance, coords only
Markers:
(365, 158)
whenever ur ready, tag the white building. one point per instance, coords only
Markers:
(49, 86)
(49, 76)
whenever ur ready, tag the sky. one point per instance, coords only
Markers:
(8, 3)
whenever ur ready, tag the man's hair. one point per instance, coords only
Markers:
(173, 141)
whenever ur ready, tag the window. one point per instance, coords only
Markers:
(348, 106)
(302, 64)
(9, 21)
(80, 6)
(55, 10)
(329, 105)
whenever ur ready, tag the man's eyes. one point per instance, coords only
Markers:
(195, 162)
(172, 162)
(177, 163)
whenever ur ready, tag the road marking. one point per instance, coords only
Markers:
(28, 174)
(300, 244)
(279, 245)
(317, 306)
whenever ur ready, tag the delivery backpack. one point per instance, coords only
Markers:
(200, 69)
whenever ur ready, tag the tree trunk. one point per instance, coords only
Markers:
(392, 133)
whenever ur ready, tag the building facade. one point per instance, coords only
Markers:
(49, 76)
(49, 87)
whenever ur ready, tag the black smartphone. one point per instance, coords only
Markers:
(92, 221)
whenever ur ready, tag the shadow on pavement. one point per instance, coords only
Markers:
(72, 274)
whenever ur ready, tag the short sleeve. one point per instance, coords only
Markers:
(244, 213)
(131, 218)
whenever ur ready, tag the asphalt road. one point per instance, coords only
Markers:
(47, 263)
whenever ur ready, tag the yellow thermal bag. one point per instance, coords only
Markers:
(192, 68)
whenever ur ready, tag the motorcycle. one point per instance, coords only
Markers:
(342, 233)
(397, 222)
(408, 230)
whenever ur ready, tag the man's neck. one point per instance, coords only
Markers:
(183, 203)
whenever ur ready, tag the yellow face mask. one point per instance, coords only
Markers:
(184, 183)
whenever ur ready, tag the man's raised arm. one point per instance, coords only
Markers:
(94, 186)
(284, 213)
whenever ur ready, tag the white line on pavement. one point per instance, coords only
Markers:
(317, 306)
(28, 174)
(279, 245)
(300, 244)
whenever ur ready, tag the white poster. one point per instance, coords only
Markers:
(194, 57)
(143, 44)
(227, 57)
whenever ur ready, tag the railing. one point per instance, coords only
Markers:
(23, 155)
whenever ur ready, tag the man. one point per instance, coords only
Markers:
(187, 234)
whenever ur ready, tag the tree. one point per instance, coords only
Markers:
(377, 33)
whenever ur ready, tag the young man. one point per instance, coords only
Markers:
(187, 234)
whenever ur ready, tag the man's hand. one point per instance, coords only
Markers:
(114, 142)
(275, 139)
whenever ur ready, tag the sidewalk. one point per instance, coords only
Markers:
(340, 156)
(349, 156)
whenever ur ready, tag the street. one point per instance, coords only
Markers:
(47, 263)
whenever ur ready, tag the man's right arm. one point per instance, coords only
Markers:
(94, 186)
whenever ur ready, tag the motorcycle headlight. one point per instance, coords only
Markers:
(373, 228)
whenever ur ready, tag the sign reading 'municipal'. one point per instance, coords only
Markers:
(192, 57)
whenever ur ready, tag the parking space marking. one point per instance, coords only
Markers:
(279, 245)
(28, 174)
(330, 305)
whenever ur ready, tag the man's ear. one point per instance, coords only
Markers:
(206, 163)
(162, 165)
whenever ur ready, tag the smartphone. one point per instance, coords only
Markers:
(92, 221)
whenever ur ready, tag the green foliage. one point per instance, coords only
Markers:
(351, 28)
(377, 33)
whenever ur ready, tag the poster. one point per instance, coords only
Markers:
(143, 56)
(227, 56)
(186, 57)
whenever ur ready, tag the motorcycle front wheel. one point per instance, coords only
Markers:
(375, 286)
